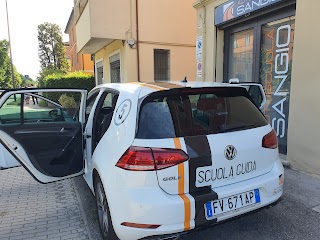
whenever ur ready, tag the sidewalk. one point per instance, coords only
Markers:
(30, 210)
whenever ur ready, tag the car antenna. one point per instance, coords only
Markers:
(185, 79)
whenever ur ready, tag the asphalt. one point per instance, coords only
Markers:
(296, 216)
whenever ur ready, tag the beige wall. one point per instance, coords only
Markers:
(169, 21)
(166, 24)
(128, 63)
(83, 28)
(110, 19)
(182, 62)
(101, 22)
(213, 41)
(170, 25)
(304, 130)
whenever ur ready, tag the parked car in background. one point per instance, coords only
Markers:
(160, 158)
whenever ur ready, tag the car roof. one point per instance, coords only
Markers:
(134, 87)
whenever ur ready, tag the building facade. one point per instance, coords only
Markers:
(138, 40)
(272, 42)
(77, 62)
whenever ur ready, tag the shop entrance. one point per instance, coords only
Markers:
(262, 52)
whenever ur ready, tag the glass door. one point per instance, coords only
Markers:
(241, 55)
(262, 52)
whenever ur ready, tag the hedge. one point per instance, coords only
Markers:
(70, 80)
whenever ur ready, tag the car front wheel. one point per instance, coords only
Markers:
(104, 217)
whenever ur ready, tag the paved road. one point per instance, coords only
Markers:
(66, 210)
(292, 218)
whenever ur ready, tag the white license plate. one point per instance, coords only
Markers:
(223, 205)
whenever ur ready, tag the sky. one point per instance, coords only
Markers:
(24, 17)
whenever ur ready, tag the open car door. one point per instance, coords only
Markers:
(255, 90)
(43, 130)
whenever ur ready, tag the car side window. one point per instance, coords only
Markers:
(40, 107)
(90, 103)
(103, 115)
(10, 111)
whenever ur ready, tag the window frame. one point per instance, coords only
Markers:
(168, 73)
(256, 26)
(111, 55)
(96, 70)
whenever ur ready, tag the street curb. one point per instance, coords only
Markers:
(284, 160)
(84, 217)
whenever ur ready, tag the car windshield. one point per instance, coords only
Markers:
(203, 111)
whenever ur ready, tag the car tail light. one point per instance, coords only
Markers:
(165, 158)
(150, 159)
(270, 140)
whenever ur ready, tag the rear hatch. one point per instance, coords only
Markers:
(220, 130)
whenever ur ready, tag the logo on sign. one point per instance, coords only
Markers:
(230, 152)
(122, 112)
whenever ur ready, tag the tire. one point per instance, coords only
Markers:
(103, 213)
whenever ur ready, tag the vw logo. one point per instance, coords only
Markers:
(230, 152)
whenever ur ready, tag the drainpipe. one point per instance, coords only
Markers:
(138, 53)
(204, 35)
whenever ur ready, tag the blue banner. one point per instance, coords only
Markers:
(236, 8)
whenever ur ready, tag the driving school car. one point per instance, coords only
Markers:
(160, 158)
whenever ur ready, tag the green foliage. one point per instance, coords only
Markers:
(70, 80)
(67, 102)
(5, 68)
(17, 102)
(27, 82)
(52, 52)
(46, 72)
(43, 103)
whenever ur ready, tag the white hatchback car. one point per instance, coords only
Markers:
(161, 158)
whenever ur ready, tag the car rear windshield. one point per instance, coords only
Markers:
(201, 111)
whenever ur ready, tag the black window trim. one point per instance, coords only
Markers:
(256, 24)
(144, 100)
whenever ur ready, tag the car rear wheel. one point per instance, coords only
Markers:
(103, 213)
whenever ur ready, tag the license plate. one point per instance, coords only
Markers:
(223, 205)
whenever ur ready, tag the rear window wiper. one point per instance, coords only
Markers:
(234, 127)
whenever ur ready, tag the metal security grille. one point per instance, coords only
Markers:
(161, 65)
(99, 67)
(115, 68)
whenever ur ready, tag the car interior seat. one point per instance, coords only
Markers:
(108, 117)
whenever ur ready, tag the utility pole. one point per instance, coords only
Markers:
(12, 73)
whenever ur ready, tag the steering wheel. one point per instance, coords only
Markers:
(54, 113)
(57, 114)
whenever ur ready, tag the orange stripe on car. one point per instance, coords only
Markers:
(186, 200)
(149, 86)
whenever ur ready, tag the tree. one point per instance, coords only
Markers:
(27, 81)
(52, 52)
(46, 72)
(5, 67)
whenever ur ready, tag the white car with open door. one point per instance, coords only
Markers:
(161, 158)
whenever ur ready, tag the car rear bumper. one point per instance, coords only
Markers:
(154, 206)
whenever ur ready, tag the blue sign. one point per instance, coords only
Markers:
(236, 8)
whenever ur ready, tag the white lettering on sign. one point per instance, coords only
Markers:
(249, 6)
(281, 72)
